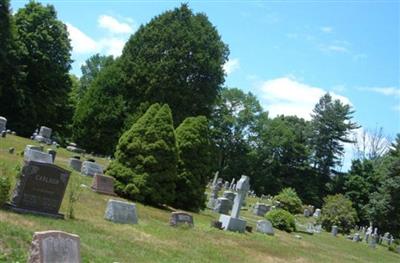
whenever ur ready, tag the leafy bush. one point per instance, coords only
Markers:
(282, 220)
(5, 186)
(338, 210)
(289, 200)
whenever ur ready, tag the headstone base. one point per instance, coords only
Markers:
(33, 212)
(232, 224)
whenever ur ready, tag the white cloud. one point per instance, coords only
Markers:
(231, 65)
(289, 97)
(81, 43)
(112, 46)
(387, 91)
(335, 48)
(114, 26)
(326, 29)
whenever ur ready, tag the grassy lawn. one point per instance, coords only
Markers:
(153, 240)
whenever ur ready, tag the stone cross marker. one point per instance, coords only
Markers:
(103, 184)
(179, 218)
(40, 189)
(121, 212)
(233, 222)
(3, 122)
(55, 247)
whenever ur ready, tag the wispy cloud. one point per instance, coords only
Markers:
(326, 29)
(81, 43)
(231, 65)
(335, 48)
(114, 26)
(288, 96)
(387, 91)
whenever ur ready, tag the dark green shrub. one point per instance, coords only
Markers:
(282, 220)
(338, 210)
(289, 200)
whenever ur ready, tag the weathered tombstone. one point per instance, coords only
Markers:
(372, 241)
(230, 195)
(265, 227)
(44, 135)
(356, 237)
(226, 185)
(317, 213)
(311, 209)
(310, 228)
(179, 218)
(306, 212)
(75, 164)
(233, 222)
(30, 154)
(261, 209)
(334, 231)
(103, 184)
(11, 150)
(121, 212)
(3, 134)
(222, 206)
(91, 168)
(215, 187)
(13, 133)
(53, 154)
(3, 123)
(54, 246)
(318, 229)
(40, 189)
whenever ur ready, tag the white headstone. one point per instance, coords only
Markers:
(3, 124)
(265, 227)
(91, 168)
(121, 212)
(37, 156)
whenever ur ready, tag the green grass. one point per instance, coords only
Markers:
(153, 240)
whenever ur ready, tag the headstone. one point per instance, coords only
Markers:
(306, 212)
(179, 218)
(311, 209)
(13, 133)
(261, 209)
(318, 229)
(372, 241)
(215, 187)
(53, 154)
(222, 206)
(54, 246)
(232, 183)
(3, 134)
(44, 135)
(356, 237)
(310, 228)
(11, 150)
(40, 189)
(103, 184)
(230, 195)
(317, 213)
(30, 154)
(3, 124)
(72, 147)
(233, 222)
(265, 227)
(121, 212)
(226, 185)
(75, 164)
(91, 168)
(334, 231)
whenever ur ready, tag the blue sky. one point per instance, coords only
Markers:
(287, 53)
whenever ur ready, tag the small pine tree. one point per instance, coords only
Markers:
(146, 159)
(194, 163)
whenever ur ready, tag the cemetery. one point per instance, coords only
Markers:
(205, 131)
(140, 228)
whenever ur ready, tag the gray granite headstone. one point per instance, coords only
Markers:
(265, 227)
(91, 168)
(54, 247)
(53, 154)
(223, 205)
(261, 209)
(3, 123)
(356, 237)
(179, 218)
(40, 189)
(44, 135)
(75, 164)
(121, 212)
(3, 134)
(334, 231)
(306, 212)
(37, 156)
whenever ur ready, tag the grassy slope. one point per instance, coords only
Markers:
(152, 240)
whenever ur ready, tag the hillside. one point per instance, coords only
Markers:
(153, 240)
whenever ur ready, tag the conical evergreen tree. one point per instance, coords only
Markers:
(146, 159)
(194, 163)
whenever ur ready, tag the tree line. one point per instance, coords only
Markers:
(162, 112)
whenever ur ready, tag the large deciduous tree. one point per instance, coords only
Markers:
(46, 58)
